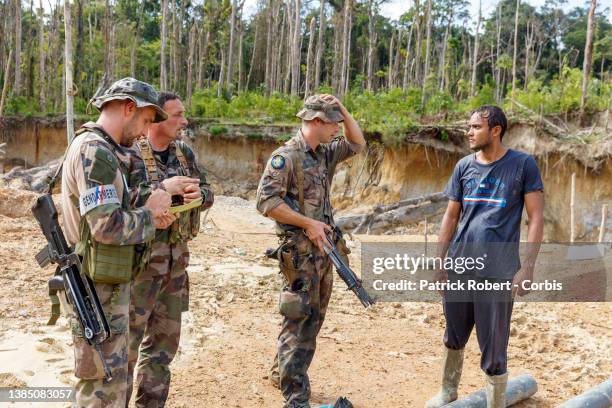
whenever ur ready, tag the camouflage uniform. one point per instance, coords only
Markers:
(308, 276)
(161, 292)
(94, 162)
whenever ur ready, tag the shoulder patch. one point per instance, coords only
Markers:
(103, 166)
(277, 162)
(97, 196)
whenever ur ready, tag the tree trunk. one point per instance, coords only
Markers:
(17, 86)
(253, 55)
(418, 45)
(588, 56)
(405, 80)
(475, 56)
(396, 62)
(78, 63)
(134, 44)
(427, 50)
(345, 47)
(221, 74)
(163, 73)
(498, 87)
(338, 41)
(309, 57)
(320, 46)
(68, 72)
(390, 66)
(42, 99)
(347, 81)
(515, 48)
(297, 34)
(230, 51)
(7, 71)
(371, 43)
(269, 39)
(240, 62)
(192, 41)
(442, 68)
(203, 51)
(107, 40)
(529, 38)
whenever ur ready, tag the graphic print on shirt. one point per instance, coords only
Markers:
(487, 191)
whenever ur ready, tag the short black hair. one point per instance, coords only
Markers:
(165, 96)
(495, 117)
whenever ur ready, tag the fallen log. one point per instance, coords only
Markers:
(33, 179)
(404, 212)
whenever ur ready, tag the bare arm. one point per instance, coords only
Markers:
(447, 229)
(448, 226)
(352, 131)
(534, 205)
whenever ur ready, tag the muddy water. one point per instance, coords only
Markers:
(382, 175)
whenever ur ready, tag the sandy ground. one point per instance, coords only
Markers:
(386, 356)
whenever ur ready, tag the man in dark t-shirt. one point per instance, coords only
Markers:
(487, 192)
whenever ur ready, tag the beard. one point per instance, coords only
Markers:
(129, 133)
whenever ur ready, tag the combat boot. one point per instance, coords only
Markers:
(496, 390)
(451, 374)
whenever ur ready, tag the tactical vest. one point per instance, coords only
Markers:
(297, 158)
(187, 226)
(107, 263)
(103, 263)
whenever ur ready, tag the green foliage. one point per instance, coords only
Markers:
(216, 130)
(247, 106)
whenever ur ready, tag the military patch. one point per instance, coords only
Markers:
(277, 162)
(104, 166)
(97, 196)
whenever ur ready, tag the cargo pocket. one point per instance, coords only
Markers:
(87, 362)
(294, 302)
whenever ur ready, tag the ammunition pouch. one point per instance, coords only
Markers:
(105, 263)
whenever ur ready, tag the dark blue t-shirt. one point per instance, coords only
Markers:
(492, 199)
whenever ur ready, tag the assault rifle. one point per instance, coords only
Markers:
(80, 290)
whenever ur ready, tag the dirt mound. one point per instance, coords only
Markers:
(16, 203)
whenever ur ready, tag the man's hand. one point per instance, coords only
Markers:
(331, 99)
(159, 203)
(163, 221)
(525, 274)
(440, 275)
(192, 192)
(178, 185)
(317, 232)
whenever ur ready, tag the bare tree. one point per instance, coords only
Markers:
(372, 36)
(192, 43)
(588, 57)
(345, 47)
(427, 49)
(296, 54)
(475, 55)
(230, 51)
(7, 70)
(320, 45)
(418, 45)
(309, 57)
(515, 48)
(17, 86)
(68, 72)
(390, 66)
(41, 59)
(163, 73)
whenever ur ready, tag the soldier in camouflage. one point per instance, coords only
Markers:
(163, 162)
(294, 190)
(95, 204)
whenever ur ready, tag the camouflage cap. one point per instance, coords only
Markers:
(140, 92)
(317, 107)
